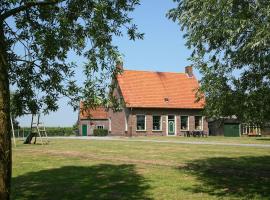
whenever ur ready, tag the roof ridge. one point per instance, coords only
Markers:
(153, 71)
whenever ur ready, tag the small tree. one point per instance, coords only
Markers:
(46, 31)
(230, 41)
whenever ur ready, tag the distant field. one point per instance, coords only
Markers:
(92, 169)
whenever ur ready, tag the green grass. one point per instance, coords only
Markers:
(91, 169)
(220, 139)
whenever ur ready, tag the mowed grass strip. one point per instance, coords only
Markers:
(90, 169)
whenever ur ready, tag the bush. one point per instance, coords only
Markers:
(100, 132)
(54, 131)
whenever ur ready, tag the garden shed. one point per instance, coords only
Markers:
(225, 127)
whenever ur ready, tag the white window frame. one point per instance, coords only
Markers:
(195, 123)
(187, 122)
(167, 125)
(144, 122)
(126, 124)
(160, 129)
(110, 124)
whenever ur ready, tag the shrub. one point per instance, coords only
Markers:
(53, 131)
(100, 132)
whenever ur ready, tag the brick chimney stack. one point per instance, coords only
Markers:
(119, 64)
(189, 71)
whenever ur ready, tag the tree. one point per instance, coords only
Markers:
(46, 31)
(230, 41)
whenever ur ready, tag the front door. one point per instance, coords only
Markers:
(171, 125)
(84, 130)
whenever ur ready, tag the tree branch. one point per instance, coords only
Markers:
(27, 6)
(15, 35)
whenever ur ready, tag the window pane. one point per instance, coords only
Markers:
(140, 122)
(198, 122)
(156, 122)
(184, 122)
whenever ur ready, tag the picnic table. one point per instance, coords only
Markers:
(194, 133)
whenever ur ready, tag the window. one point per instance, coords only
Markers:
(100, 127)
(140, 122)
(184, 123)
(198, 122)
(156, 123)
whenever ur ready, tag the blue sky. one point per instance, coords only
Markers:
(163, 49)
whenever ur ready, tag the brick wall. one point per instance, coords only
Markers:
(118, 121)
(163, 113)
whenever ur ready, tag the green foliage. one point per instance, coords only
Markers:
(100, 132)
(59, 131)
(48, 32)
(230, 41)
(37, 38)
(54, 131)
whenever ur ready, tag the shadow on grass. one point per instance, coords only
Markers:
(242, 177)
(75, 182)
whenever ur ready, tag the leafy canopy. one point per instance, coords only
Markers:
(231, 45)
(39, 35)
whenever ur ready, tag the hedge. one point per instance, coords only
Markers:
(100, 132)
(53, 131)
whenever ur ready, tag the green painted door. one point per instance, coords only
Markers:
(231, 130)
(171, 127)
(84, 130)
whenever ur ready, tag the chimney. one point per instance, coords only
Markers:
(189, 71)
(119, 64)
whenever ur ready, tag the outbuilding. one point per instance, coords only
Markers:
(92, 119)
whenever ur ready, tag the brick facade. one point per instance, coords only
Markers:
(118, 126)
(118, 122)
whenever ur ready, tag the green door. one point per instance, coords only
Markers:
(231, 130)
(84, 130)
(171, 125)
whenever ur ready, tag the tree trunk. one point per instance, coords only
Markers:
(5, 136)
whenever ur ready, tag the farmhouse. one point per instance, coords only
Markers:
(155, 103)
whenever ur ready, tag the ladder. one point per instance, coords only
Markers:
(39, 129)
(13, 132)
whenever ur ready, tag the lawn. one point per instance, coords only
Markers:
(92, 169)
(218, 139)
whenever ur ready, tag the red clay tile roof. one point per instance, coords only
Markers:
(152, 89)
(98, 113)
